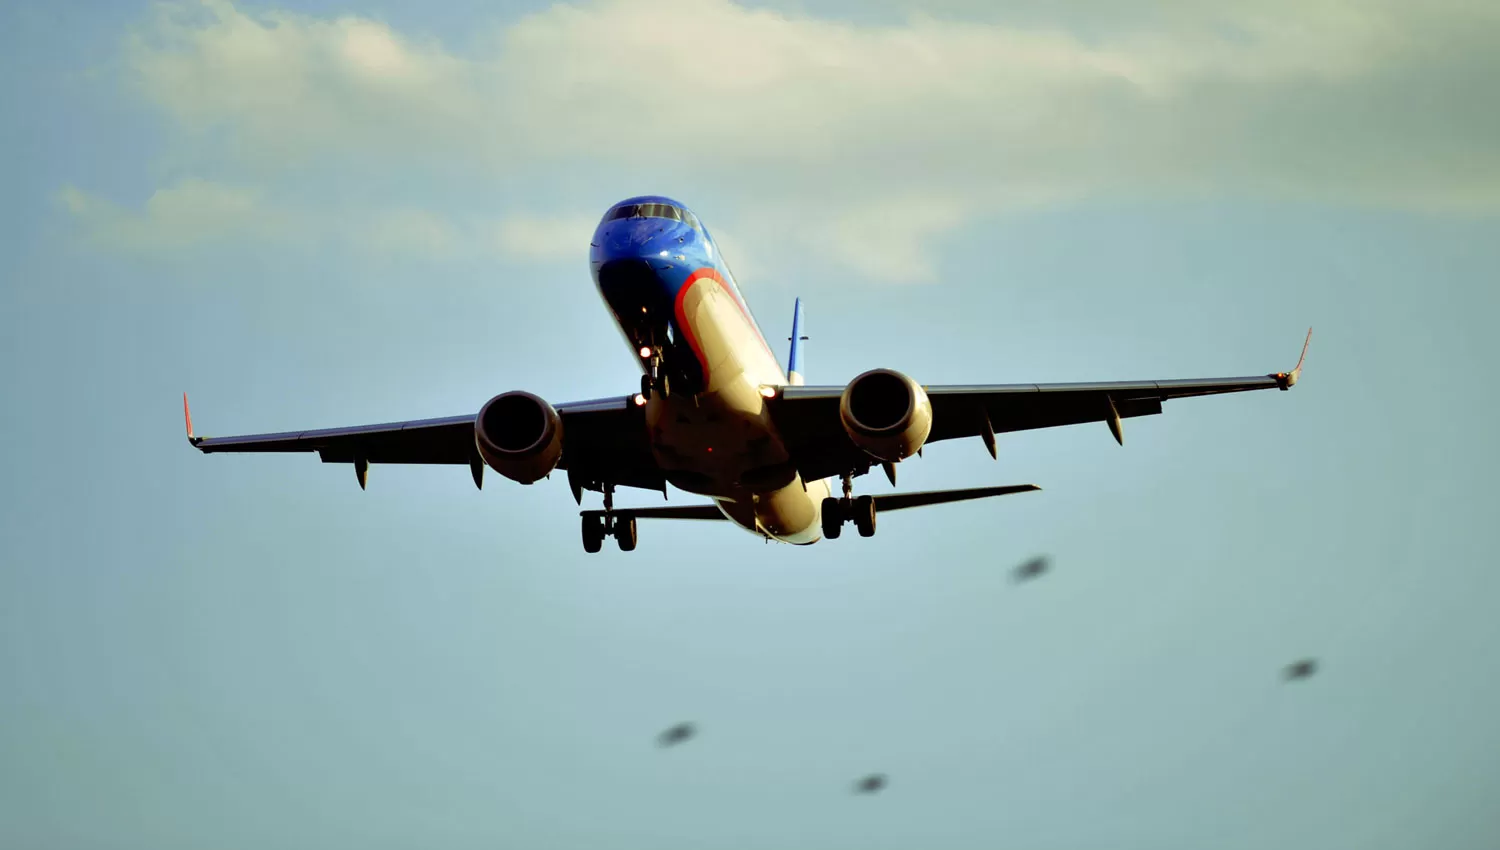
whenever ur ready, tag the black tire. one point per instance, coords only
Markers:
(664, 385)
(625, 533)
(593, 534)
(833, 518)
(864, 515)
(646, 387)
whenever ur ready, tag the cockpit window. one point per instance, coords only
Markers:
(654, 211)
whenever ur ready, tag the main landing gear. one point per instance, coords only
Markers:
(596, 527)
(860, 511)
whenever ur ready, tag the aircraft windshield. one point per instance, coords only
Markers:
(655, 211)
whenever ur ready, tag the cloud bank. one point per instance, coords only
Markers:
(866, 140)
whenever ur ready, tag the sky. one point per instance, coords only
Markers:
(320, 214)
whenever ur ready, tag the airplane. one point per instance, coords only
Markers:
(716, 415)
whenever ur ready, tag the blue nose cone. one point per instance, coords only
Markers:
(630, 239)
(643, 251)
(636, 269)
(639, 239)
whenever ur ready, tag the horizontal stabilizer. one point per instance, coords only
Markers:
(900, 501)
(684, 512)
(890, 502)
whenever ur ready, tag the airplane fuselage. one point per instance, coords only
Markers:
(678, 305)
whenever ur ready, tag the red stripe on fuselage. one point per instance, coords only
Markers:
(711, 273)
(682, 322)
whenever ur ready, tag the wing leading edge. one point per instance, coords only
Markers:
(808, 416)
(603, 440)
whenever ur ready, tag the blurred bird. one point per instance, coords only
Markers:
(676, 735)
(1300, 670)
(870, 784)
(1032, 568)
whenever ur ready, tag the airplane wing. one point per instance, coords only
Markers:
(808, 417)
(603, 439)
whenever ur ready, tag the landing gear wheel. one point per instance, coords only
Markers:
(625, 533)
(664, 385)
(593, 534)
(833, 518)
(646, 387)
(864, 515)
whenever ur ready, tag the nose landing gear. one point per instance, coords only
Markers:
(860, 511)
(655, 380)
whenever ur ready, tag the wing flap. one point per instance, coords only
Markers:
(445, 440)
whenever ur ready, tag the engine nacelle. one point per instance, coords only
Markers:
(520, 436)
(886, 414)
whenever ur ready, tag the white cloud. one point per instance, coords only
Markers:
(195, 213)
(534, 238)
(820, 124)
(189, 213)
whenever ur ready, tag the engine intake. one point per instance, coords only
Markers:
(520, 436)
(886, 414)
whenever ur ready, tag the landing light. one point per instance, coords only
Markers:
(645, 352)
(768, 392)
(640, 400)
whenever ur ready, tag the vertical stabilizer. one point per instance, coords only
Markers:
(794, 359)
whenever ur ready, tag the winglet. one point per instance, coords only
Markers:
(1287, 380)
(187, 416)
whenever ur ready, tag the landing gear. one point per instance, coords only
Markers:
(863, 515)
(860, 511)
(625, 533)
(656, 380)
(596, 527)
(593, 533)
(833, 518)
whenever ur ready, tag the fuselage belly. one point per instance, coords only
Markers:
(672, 294)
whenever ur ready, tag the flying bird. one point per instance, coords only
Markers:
(676, 735)
(870, 784)
(1301, 670)
(1032, 568)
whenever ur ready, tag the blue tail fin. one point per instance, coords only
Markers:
(794, 359)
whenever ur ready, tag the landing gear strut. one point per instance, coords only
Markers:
(655, 379)
(860, 511)
(619, 526)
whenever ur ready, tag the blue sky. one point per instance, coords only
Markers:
(315, 215)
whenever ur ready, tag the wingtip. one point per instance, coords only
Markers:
(187, 421)
(1287, 380)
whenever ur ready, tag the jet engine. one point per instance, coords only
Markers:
(886, 414)
(520, 436)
